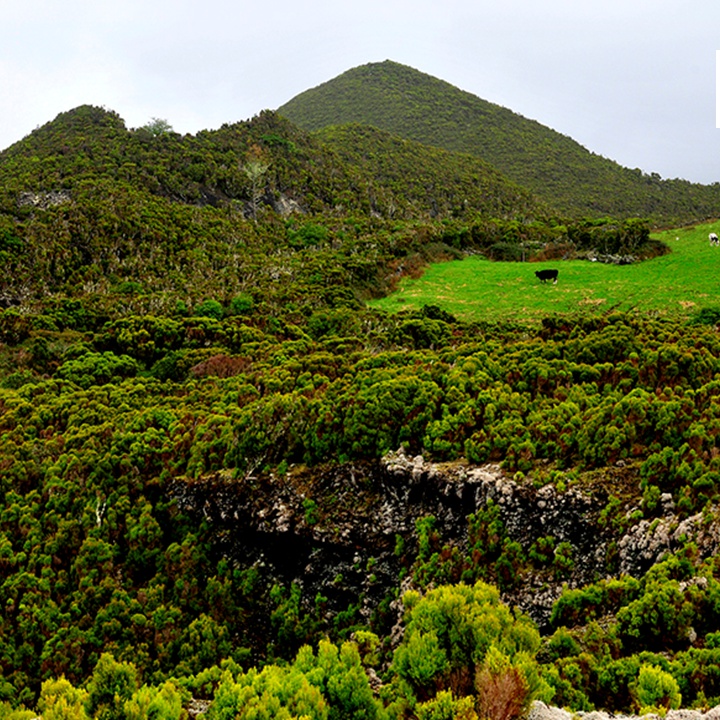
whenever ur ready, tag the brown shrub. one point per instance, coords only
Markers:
(501, 696)
(222, 366)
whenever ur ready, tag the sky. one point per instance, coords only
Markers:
(631, 80)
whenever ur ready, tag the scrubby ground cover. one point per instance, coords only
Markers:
(474, 288)
(95, 560)
(165, 322)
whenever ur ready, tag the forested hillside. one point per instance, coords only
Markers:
(413, 105)
(231, 490)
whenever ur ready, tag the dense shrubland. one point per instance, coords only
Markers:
(91, 209)
(97, 418)
(164, 320)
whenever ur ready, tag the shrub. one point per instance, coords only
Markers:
(656, 690)
(309, 235)
(158, 703)
(157, 127)
(17, 379)
(339, 675)
(211, 309)
(423, 333)
(98, 369)
(112, 683)
(60, 700)
(501, 694)
(562, 644)
(450, 631)
(7, 713)
(14, 327)
(241, 304)
(659, 619)
(504, 251)
(446, 707)
(706, 316)
(273, 692)
(129, 287)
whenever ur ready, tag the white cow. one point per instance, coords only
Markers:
(714, 239)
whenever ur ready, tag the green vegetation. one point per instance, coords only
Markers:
(681, 283)
(409, 170)
(459, 636)
(416, 106)
(97, 425)
(157, 126)
(179, 336)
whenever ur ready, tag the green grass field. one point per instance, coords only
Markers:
(474, 288)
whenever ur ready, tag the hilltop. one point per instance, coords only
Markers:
(417, 106)
(306, 173)
(87, 203)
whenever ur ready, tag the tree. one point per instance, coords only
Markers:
(155, 703)
(503, 692)
(339, 675)
(656, 690)
(254, 168)
(60, 700)
(445, 707)
(210, 308)
(111, 685)
(450, 631)
(158, 126)
(271, 694)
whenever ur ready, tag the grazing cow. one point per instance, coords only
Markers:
(545, 275)
(714, 239)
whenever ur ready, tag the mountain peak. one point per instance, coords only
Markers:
(413, 105)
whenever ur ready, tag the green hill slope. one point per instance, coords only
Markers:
(425, 179)
(87, 203)
(330, 174)
(409, 103)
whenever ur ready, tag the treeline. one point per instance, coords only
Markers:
(598, 239)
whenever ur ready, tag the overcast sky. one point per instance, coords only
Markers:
(633, 80)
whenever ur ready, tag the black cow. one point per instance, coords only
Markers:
(545, 275)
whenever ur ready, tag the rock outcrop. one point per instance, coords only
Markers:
(541, 711)
(348, 532)
(44, 200)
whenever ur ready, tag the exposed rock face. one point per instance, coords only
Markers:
(285, 206)
(646, 542)
(541, 711)
(197, 707)
(44, 200)
(346, 532)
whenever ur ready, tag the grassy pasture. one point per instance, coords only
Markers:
(474, 288)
